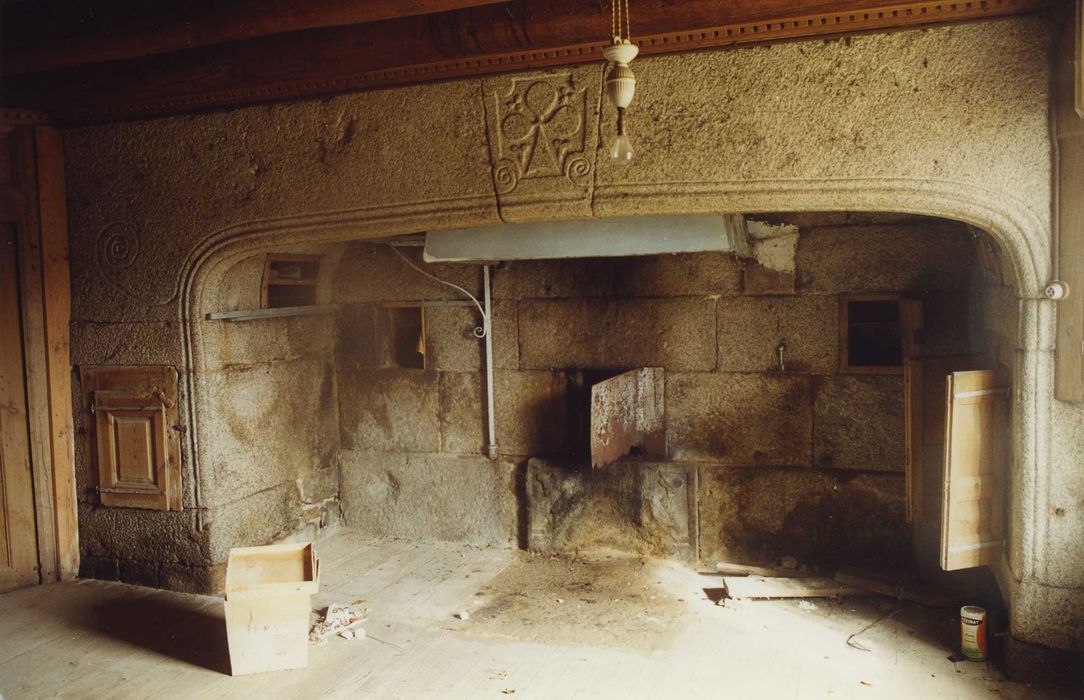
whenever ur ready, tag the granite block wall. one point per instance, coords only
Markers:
(775, 449)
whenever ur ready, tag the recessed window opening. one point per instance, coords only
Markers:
(873, 338)
(290, 280)
(877, 332)
(406, 335)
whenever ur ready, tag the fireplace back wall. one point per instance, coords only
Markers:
(806, 461)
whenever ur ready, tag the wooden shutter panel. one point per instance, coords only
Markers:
(133, 413)
(976, 442)
(133, 454)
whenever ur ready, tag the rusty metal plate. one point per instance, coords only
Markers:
(628, 412)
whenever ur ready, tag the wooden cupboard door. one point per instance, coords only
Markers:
(133, 451)
(924, 421)
(134, 442)
(18, 533)
(976, 449)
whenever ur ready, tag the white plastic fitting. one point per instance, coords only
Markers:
(1057, 290)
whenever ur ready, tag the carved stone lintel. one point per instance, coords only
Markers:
(543, 133)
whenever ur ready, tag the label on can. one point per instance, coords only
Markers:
(973, 632)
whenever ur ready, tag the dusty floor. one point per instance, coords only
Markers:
(537, 627)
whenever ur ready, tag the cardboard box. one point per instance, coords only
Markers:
(268, 601)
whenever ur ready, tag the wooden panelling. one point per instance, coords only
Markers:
(976, 450)
(18, 544)
(32, 301)
(479, 41)
(32, 203)
(53, 222)
(134, 441)
(1069, 262)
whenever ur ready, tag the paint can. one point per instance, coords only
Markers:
(973, 632)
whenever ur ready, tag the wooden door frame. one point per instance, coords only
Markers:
(34, 200)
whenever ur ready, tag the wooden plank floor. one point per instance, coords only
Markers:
(539, 628)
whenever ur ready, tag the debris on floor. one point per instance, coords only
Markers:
(894, 587)
(341, 619)
(789, 563)
(807, 605)
(462, 615)
(735, 569)
(764, 587)
(792, 580)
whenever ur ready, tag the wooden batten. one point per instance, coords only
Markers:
(32, 201)
(56, 275)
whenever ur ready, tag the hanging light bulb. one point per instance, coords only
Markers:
(621, 81)
(621, 149)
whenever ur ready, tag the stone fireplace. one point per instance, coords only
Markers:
(937, 187)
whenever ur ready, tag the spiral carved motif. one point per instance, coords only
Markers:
(118, 247)
(578, 169)
(505, 177)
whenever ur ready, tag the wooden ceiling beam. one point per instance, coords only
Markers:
(53, 34)
(478, 41)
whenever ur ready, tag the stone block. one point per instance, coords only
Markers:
(1063, 519)
(685, 274)
(139, 534)
(949, 325)
(937, 256)
(746, 419)
(532, 413)
(267, 424)
(462, 413)
(201, 580)
(232, 343)
(451, 345)
(359, 335)
(1047, 615)
(101, 568)
(104, 343)
(430, 497)
(645, 508)
(318, 485)
(820, 517)
(555, 279)
(394, 409)
(675, 333)
(253, 520)
(369, 272)
(751, 330)
(858, 422)
(760, 280)
(139, 573)
(1037, 664)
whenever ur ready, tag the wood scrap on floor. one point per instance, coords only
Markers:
(735, 569)
(766, 587)
(914, 591)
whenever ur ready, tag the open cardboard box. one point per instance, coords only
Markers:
(268, 601)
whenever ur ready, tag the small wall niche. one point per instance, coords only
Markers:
(290, 280)
(878, 332)
(406, 336)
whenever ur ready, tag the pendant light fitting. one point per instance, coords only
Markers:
(621, 81)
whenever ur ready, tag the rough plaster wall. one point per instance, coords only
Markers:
(948, 121)
(731, 412)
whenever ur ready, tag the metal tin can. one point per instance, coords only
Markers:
(973, 632)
